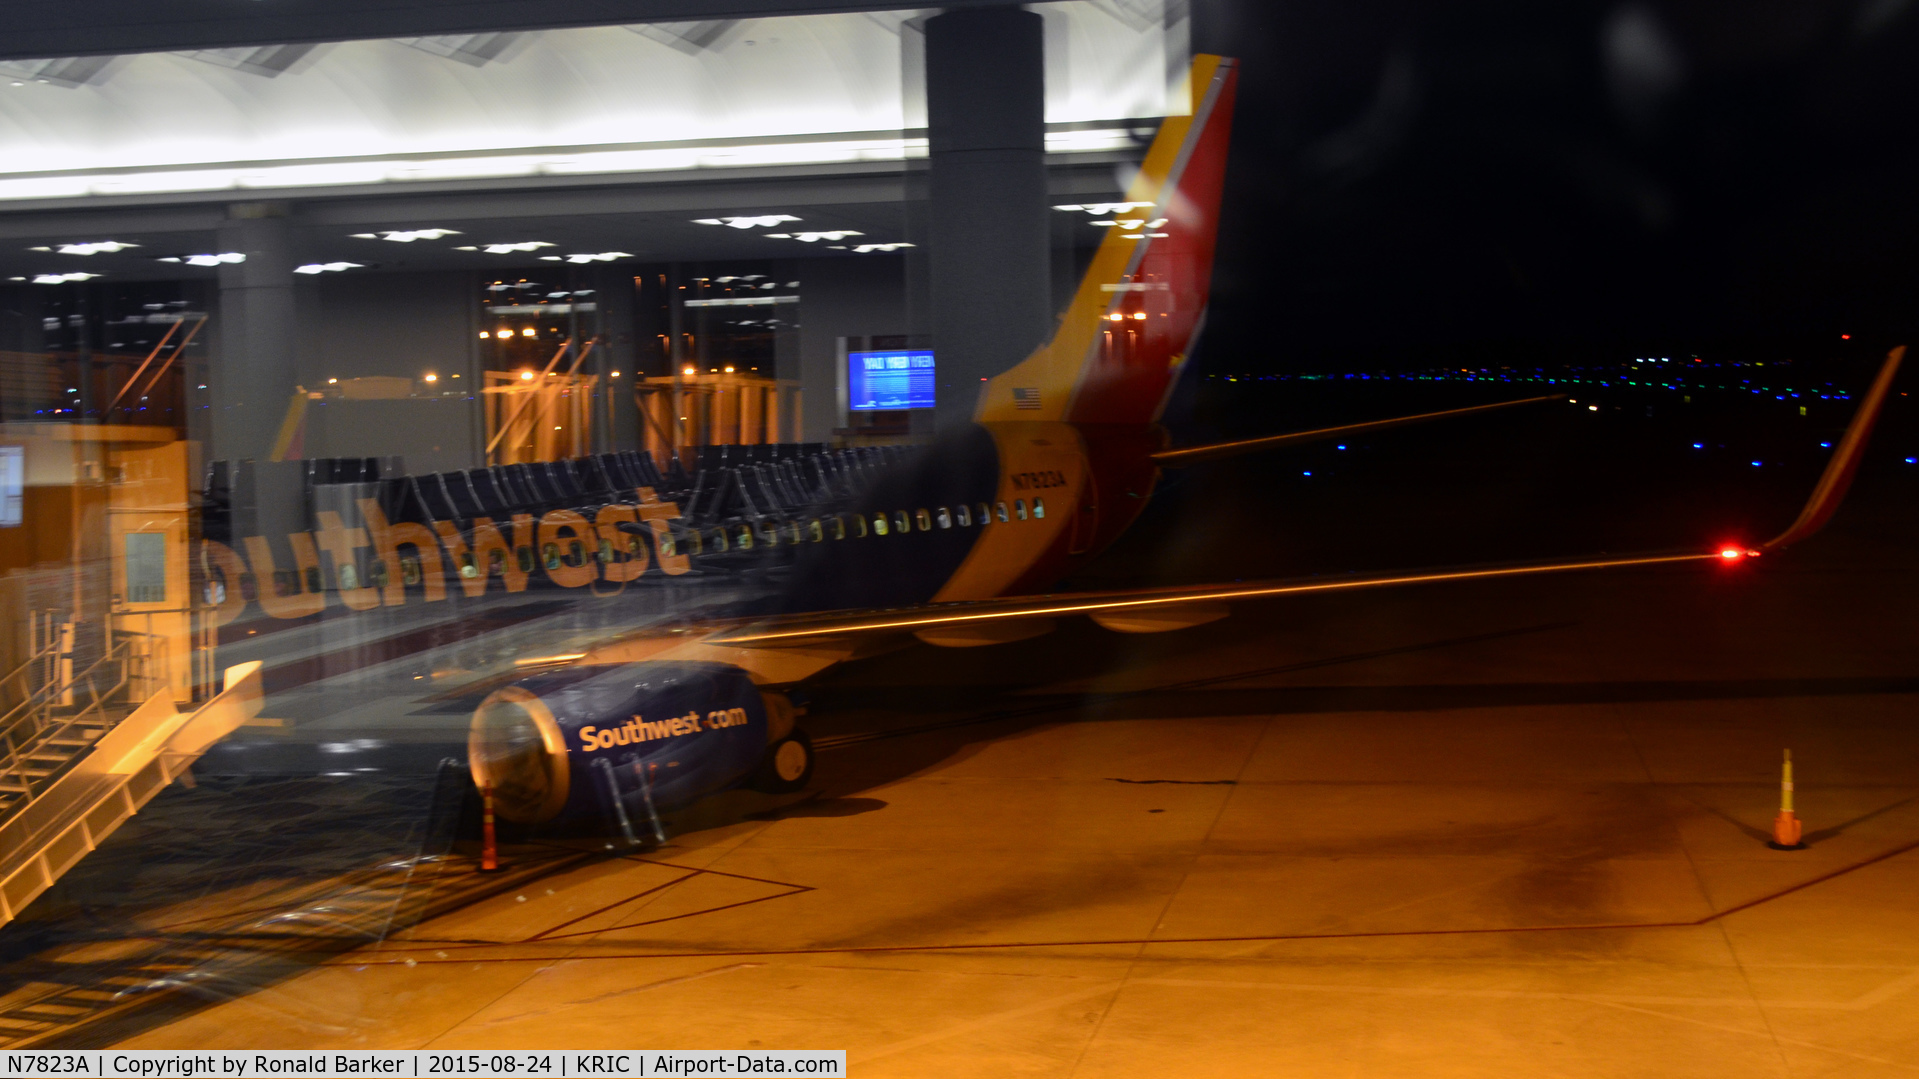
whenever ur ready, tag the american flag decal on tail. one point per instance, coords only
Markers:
(1026, 397)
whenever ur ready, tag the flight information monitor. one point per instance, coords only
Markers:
(889, 380)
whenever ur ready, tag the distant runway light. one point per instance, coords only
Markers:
(1592, 408)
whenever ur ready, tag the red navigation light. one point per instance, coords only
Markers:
(1731, 554)
(1845, 337)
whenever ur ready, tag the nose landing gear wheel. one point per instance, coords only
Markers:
(786, 767)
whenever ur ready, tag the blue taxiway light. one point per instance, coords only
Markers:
(1341, 446)
(1912, 460)
(1699, 445)
(1305, 473)
(1825, 445)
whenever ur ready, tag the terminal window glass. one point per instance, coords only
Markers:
(146, 567)
(13, 470)
(889, 380)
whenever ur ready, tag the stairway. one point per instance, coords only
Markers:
(59, 720)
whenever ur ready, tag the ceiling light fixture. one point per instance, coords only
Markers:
(863, 249)
(90, 248)
(406, 236)
(326, 267)
(1100, 208)
(761, 221)
(507, 249)
(62, 278)
(835, 235)
(207, 260)
(582, 259)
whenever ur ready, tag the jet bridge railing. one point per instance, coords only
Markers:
(38, 743)
(121, 771)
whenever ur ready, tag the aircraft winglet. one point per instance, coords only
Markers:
(1833, 483)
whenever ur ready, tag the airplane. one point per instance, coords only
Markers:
(955, 543)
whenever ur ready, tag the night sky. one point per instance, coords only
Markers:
(1521, 182)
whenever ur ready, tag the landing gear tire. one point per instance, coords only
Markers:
(787, 766)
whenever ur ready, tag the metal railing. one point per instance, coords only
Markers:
(41, 665)
(38, 743)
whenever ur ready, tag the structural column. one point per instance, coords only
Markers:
(986, 191)
(251, 374)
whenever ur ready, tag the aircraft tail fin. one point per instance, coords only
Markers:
(1119, 348)
(1833, 483)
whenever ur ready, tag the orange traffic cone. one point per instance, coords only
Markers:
(1786, 827)
(489, 844)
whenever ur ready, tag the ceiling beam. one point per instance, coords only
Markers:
(44, 29)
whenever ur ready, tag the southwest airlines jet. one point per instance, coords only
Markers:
(954, 543)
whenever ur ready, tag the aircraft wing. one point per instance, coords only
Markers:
(788, 648)
(1191, 455)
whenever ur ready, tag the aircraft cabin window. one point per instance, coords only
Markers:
(859, 526)
(314, 584)
(839, 526)
(525, 555)
(1001, 514)
(879, 524)
(349, 578)
(468, 568)
(496, 561)
(378, 576)
(794, 528)
(901, 524)
(606, 550)
(925, 519)
(744, 541)
(575, 553)
(1019, 508)
(1039, 508)
(965, 518)
(817, 530)
(716, 539)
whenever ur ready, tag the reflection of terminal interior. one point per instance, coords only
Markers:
(252, 402)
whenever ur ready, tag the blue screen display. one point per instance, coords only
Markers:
(889, 380)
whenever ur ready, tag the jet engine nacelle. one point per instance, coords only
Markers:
(560, 746)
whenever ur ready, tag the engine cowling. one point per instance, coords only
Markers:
(669, 731)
